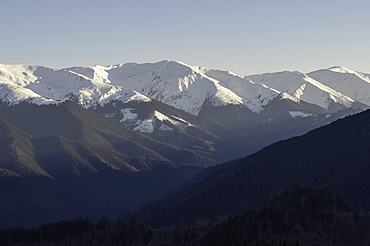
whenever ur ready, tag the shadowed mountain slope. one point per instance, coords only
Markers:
(334, 156)
(74, 122)
(175, 127)
(53, 178)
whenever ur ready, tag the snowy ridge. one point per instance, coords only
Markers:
(43, 85)
(253, 96)
(302, 87)
(184, 87)
(345, 81)
(14, 80)
(173, 83)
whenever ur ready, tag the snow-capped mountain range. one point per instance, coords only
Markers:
(196, 90)
(179, 85)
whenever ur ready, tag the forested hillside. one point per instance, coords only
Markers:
(300, 216)
(334, 156)
(52, 178)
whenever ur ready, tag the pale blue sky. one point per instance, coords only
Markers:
(246, 37)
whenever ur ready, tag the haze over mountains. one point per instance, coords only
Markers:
(90, 137)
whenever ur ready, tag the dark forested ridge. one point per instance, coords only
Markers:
(334, 156)
(300, 216)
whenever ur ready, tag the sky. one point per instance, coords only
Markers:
(246, 37)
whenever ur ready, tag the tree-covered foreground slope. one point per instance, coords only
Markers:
(335, 156)
(300, 216)
(52, 178)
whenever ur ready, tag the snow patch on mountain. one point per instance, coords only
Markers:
(145, 126)
(296, 114)
(178, 122)
(165, 128)
(149, 125)
(127, 115)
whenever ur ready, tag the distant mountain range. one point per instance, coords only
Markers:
(205, 108)
(184, 87)
(104, 140)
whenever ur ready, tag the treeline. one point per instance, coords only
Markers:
(79, 232)
(55, 232)
(299, 216)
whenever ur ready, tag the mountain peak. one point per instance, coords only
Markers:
(340, 69)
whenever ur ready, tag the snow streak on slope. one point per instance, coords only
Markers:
(296, 114)
(148, 125)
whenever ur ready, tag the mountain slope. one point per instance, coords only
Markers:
(54, 178)
(173, 126)
(346, 81)
(302, 87)
(334, 156)
(17, 153)
(73, 121)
